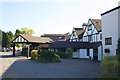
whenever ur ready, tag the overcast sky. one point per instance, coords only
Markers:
(50, 16)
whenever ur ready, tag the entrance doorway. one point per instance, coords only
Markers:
(95, 54)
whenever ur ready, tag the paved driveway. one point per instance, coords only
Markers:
(20, 67)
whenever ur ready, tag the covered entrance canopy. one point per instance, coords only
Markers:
(26, 39)
(77, 45)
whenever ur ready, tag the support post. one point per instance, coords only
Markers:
(28, 51)
(13, 49)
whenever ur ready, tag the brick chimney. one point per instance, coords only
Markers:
(84, 25)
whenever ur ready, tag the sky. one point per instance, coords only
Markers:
(50, 16)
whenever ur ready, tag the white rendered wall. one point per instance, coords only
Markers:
(119, 21)
(110, 29)
(93, 32)
(100, 53)
(83, 53)
(91, 53)
(75, 55)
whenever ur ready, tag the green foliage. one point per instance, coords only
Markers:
(118, 47)
(24, 51)
(27, 31)
(110, 67)
(62, 54)
(69, 52)
(11, 36)
(17, 32)
(6, 40)
(107, 50)
(45, 56)
(18, 45)
(34, 54)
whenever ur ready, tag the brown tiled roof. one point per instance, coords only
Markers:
(67, 36)
(79, 31)
(54, 35)
(97, 24)
(79, 45)
(35, 39)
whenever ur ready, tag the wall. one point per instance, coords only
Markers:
(91, 53)
(83, 53)
(119, 21)
(110, 29)
(93, 32)
(100, 53)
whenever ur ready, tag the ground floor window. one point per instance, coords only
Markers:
(88, 52)
(74, 50)
(95, 54)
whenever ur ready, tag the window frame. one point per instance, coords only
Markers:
(108, 41)
(88, 52)
(75, 50)
(89, 37)
(89, 27)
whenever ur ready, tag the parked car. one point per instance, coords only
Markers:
(9, 49)
(4, 49)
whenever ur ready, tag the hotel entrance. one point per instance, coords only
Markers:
(95, 54)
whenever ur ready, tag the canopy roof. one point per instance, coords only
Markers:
(79, 45)
(31, 39)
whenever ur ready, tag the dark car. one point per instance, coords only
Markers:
(4, 49)
(9, 49)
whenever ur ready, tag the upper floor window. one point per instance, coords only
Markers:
(90, 38)
(73, 33)
(108, 41)
(89, 27)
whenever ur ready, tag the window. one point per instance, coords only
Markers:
(108, 41)
(88, 52)
(74, 50)
(89, 27)
(100, 36)
(73, 33)
(90, 38)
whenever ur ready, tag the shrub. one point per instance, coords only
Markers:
(69, 53)
(118, 47)
(118, 54)
(45, 56)
(107, 50)
(62, 54)
(24, 51)
(110, 67)
(34, 54)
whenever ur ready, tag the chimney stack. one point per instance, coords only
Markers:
(84, 25)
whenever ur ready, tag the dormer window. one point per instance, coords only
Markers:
(73, 33)
(89, 28)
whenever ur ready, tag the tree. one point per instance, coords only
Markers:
(27, 31)
(5, 40)
(17, 32)
(118, 47)
(0, 38)
(10, 34)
